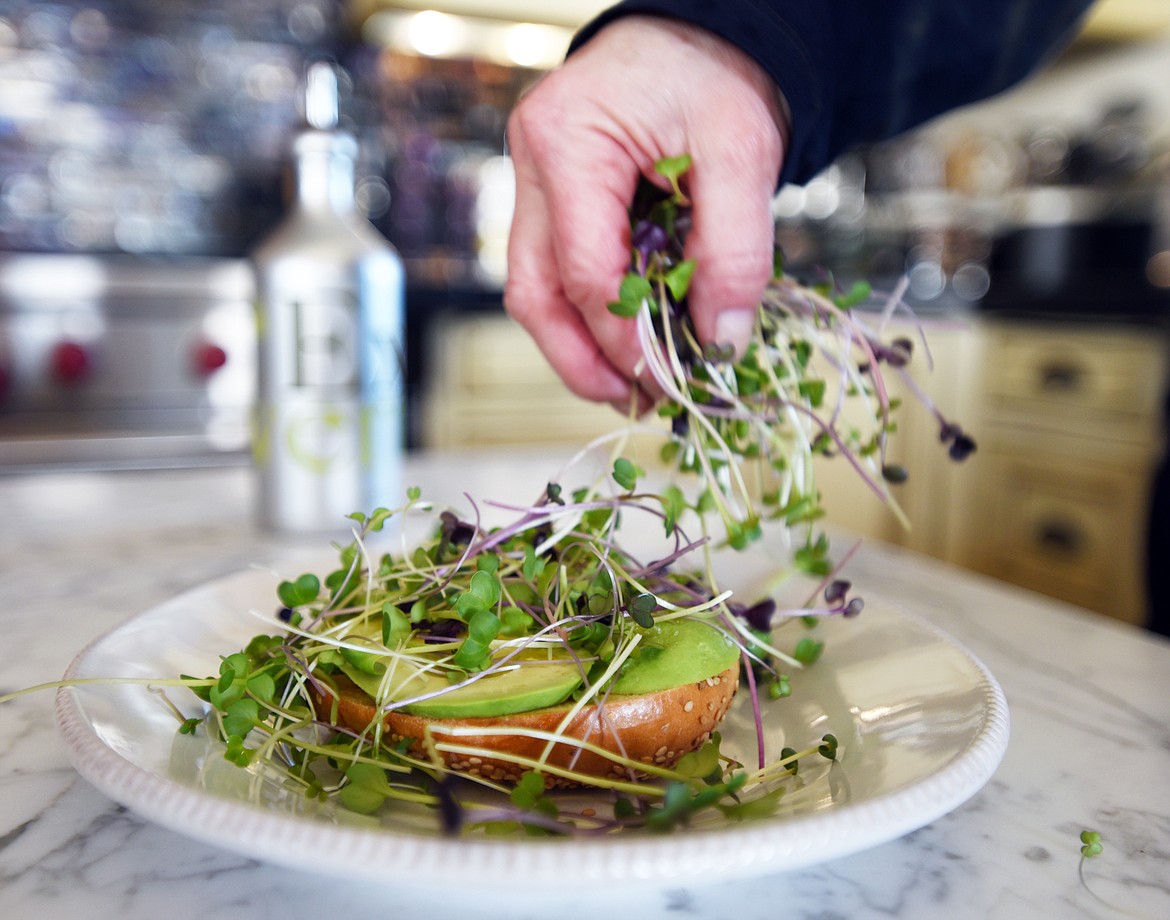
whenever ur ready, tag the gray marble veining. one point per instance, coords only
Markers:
(1090, 747)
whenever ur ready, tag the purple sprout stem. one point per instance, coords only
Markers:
(300, 665)
(753, 691)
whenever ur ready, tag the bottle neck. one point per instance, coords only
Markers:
(325, 177)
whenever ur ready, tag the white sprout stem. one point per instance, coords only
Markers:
(893, 301)
(755, 640)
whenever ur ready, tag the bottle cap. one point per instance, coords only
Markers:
(321, 96)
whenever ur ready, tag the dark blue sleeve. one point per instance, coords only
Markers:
(858, 71)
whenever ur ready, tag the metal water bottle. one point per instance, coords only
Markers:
(329, 424)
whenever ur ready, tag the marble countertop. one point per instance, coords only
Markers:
(1090, 745)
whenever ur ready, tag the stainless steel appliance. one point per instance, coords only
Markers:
(110, 362)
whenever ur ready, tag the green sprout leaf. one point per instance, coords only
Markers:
(300, 592)
(189, 726)
(240, 717)
(895, 474)
(704, 764)
(475, 651)
(740, 534)
(367, 788)
(366, 662)
(625, 474)
(262, 687)
(233, 673)
(673, 168)
(808, 650)
(828, 748)
(777, 263)
(641, 608)
(674, 503)
(857, 294)
(1091, 844)
(763, 806)
(813, 391)
(533, 564)
(681, 800)
(678, 279)
(515, 622)
(482, 594)
(395, 625)
(236, 753)
(780, 688)
(529, 790)
(632, 293)
(813, 557)
(378, 519)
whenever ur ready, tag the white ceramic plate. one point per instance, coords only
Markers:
(922, 726)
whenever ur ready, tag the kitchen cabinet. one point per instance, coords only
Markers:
(489, 384)
(937, 496)
(1071, 433)
(1126, 20)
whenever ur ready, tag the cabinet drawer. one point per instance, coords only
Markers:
(1096, 370)
(1072, 532)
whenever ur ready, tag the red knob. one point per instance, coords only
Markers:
(70, 363)
(207, 358)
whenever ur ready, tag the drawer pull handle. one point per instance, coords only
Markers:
(1059, 537)
(1062, 378)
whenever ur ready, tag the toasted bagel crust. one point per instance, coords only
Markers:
(656, 728)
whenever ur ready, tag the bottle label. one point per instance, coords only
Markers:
(325, 342)
(328, 439)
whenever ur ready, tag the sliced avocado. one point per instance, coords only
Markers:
(670, 654)
(674, 653)
(535, 683)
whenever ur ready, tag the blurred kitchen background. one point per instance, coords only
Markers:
(144, 149)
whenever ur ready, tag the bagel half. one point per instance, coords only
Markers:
(652, 728)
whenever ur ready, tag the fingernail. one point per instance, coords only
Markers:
(734, 327)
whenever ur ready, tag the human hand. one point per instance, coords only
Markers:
(643, 88)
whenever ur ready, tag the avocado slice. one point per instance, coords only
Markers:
(538, 681)
(674, 653)
(670, 654)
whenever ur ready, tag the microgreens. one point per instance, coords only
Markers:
(1091, 844)
(751, 424)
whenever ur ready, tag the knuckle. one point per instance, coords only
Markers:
(521, 299)
(536, 122)
(579, 281)
(737, 277)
